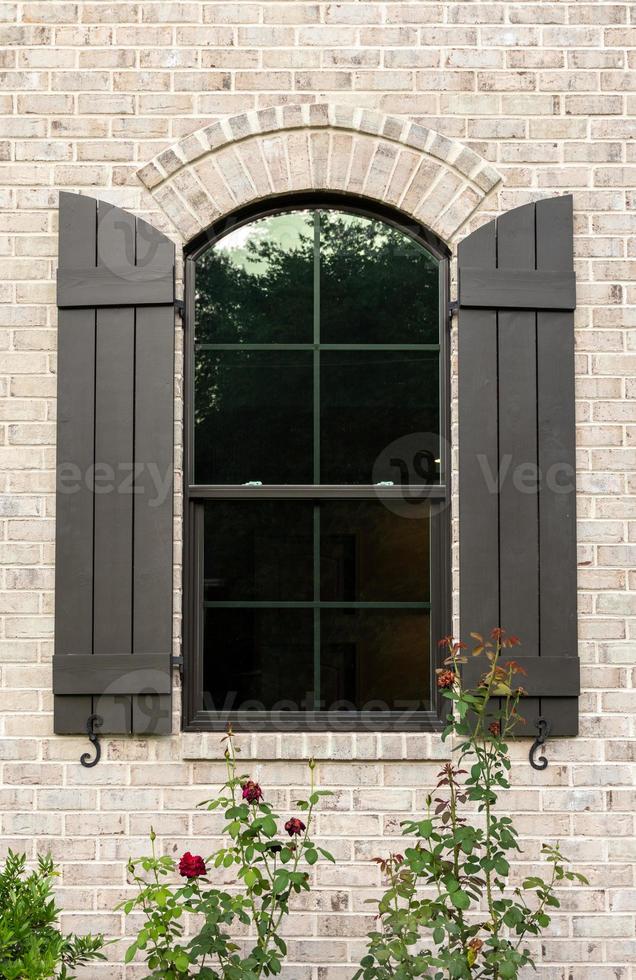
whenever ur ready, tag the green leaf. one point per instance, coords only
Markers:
(311, 855)
(502, 867)
(281, 882)
(460, 899)
(130, 953)
(182, 962)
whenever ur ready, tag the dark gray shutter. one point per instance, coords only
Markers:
(517, 532)
(113, 567)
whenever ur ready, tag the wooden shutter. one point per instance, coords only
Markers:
(113, 567)
(517, 532)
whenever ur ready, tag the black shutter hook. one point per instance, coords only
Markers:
(543, 728)
(92, 722)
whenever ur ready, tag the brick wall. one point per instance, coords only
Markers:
(545, 92)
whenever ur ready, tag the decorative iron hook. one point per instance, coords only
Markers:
(92, 722)
(543, 728)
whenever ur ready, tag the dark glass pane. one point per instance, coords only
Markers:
(256, 284)
(370, 554)
(379, 417)
(375, 659)
(260, 551)
(377, 285)
(253, 416)
(258, 659)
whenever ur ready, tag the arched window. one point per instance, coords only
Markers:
(316, 470)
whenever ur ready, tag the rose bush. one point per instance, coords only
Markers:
(269, 872)
(450, 910)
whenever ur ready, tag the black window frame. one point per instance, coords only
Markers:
(194, 717)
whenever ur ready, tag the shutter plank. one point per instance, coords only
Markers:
(74, 499)
(154, 465)
(478, 461)
(556, 427)
(518, 510)
(106, 286)
(114, 451)
(517, 288)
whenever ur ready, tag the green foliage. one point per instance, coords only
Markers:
(450, 910)
(269, 869)
(32, 947)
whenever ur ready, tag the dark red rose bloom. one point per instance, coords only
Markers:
(495, 729)
(252, 791)
(191, 865)
(445, 679)
(294, 826)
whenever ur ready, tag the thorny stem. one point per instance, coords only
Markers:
(300, 847)
(454, 826)
(275, 915)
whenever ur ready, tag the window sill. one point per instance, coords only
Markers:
(330, 746)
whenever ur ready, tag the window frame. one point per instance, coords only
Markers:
(194, 717)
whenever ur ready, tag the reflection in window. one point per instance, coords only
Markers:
(291, 386)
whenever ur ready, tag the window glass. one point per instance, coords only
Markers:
(375, 659)
(253, 416)
(256, 285)
(261, 551)
(258, 659)
(370, 554)
(368, 400)
(377, 285)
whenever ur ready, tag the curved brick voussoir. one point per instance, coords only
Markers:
(249, 157)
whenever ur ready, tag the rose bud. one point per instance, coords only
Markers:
(294, 826)
(495, 729)
(192, 865)
(446, 679)
(252, 791)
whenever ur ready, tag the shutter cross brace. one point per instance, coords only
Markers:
(92, 722)
(543, 728)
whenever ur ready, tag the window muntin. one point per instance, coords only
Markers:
(316, 352)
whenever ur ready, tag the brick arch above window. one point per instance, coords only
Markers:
(285, 149)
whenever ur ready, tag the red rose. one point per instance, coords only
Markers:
(445, 679)
(495, 729)
(252, 791)
(191, 865)
(294, 826)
